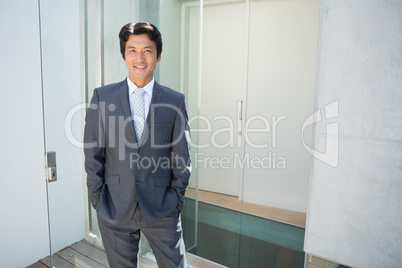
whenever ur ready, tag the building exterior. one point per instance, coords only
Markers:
(293, 104)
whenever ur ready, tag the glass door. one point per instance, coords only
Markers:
(179, 69)
(62, 98)
(80, 51)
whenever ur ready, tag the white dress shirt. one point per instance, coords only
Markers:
(147, 95)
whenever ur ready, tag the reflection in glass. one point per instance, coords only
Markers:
(236, 239)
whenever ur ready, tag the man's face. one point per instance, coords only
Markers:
(141, 59)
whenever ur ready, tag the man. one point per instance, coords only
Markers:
(137, 156)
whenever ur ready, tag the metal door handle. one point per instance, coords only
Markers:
(239, 115)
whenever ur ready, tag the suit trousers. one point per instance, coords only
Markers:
(121, 241)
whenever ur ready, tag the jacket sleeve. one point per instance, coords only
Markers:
(181, 163)
(94, 149)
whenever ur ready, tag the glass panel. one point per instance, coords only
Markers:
(62, 95)
(236, 239)
(218, 234)
(266, 243)
(178, 69)
(93, 79)
(270, 66)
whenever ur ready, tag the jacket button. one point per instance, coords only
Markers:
(137, 183)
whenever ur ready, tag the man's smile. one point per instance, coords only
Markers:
(141, 58)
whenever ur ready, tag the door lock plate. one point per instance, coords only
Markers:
(51, 170)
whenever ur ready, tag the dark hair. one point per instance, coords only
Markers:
(137, 29)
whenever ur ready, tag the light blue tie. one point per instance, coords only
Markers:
(139, 112)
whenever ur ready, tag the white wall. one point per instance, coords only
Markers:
(24, 229)
(281, 86)
(354, 215)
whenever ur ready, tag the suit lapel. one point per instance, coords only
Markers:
(155, 101)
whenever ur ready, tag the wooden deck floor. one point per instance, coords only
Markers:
(82, 254)
(85, 255)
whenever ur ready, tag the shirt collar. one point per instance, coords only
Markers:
(148, 87)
